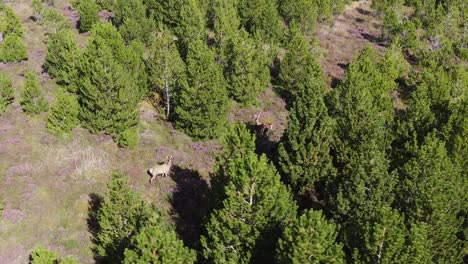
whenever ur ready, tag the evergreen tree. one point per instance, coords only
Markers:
(302, 12)
(12, 49)
(256, 208)
(157, 243)
(10, 24)
(419, 248)
(135, 63)
(309, 239)
(435, 194)
(261, 18)
(62, 56)
(456, 134)
(132, 20)
(121, 216)
(63, 115)
(42, 255)
(166, 68)
(246, 70)
(89, 14)
(298, 64)
(32, 96)
(108, 92)
(304, 152)
(202, 103)
(7, 93)
(393, 64)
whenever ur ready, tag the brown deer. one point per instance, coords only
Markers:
(262, 128)
(161, 169)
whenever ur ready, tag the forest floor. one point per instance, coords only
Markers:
(47, 184)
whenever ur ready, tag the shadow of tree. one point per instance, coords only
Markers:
(191, 204)
(94, 204)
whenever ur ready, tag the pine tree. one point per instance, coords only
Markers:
(89, 14)
(12, 49)
(166, 68)
(7, 93)
(63, 115)
(42, 255)
(256, 208)
(261, 18)
(202, 104)
(121, 216)
(132, 20)
(434, 193)
(246, 70)
(157, 243)
(304, 152)
(62, 56)
(309, 239)
(108, 92)
(393, 64)
(419, 248)
(299, 63)
(302, 12)
(32, 96)
(10, 24)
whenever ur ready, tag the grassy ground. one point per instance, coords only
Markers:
(46, 183)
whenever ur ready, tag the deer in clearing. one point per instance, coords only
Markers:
(262, 128)
(161, 169)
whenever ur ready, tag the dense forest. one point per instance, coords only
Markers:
(354, 178)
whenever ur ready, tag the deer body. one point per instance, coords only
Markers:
(162, 169)
(262, 128)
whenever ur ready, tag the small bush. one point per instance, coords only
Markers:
(43, 256)
(128, 138)
(89, 14)
(12, 49)
(32, 96)
(6, 92)
(63, 116)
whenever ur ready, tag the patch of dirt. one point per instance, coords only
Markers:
(72, 15)
(356, 27)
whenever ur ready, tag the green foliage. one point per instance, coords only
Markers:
(309, 239)
(121, 216)
(261, 18)
(298, 64)
(61, 59)
(32, 96)
(7, 93)
(304, 153)
(157, 243)
(132, 21)
(246, 70)
(393, 64)
(257, 206)
(108, 84)
(435, 194)
(10, 24)
(55, 20)
(202, 104)
(63, 115)
(302, 12)
(224, 19)
(419, 248)
(166, 68)
(43, 256)
(89, 14)
(128, 138)
(12, 49)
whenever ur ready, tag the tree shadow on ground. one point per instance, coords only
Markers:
(94, 204)
(191, 204)
(263, 143)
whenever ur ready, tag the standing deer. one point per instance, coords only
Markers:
(262, 128)
(161, 169)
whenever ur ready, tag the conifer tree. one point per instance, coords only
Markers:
(12, 49)
(7, 93)
(309, 239)
(393, 64)
(302, 12)
(121, 216)
(89, 14)
(202, 103)
(223, 18)
(419, 248)
(256, 208)
(42, 255)
(304, 153)
(132, 20)
(108, 93)
(166, 68)
(63, 115)
(299, 63)
(435, 194)
(61, 60)
(32, 96)
(10, 24)
(157, 243)
(246, 69)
